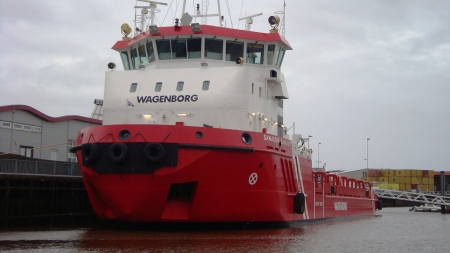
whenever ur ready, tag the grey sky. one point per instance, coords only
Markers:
(359, 69)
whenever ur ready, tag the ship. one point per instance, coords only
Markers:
(193, 131)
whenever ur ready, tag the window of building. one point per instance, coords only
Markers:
(142, 54)
(255, 53)
(6, 124)
(180, 86)
(125, 59)
(214, 49)
(158, 86)
(54, 154)
(26, 151)
(27, 128)
(37, 129)
(234, 49)
(17, 126)
(134, 58)
(194, 46)
(205, 85)
(133, 87)
(150, 51)
(280, 103)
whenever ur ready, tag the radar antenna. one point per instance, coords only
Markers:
(204, 13)
(249, 20)
(147, 13)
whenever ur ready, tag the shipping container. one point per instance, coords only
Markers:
(393, 187)
(424, 173)
(402, 180)
(431, 173)
(424, 181)
(402, 187)
(393, 180)
(383, 179)
(407, 173)
(371, 173)
(383, 186)
(431, 180)
(379, 173)
(399, 173)
(413, 186)
(414, 180)
(407, 180)
(407, 187)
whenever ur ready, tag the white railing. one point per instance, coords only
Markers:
(414, 197)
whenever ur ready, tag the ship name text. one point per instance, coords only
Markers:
(164, 99)
(277, 140)
(340, 206)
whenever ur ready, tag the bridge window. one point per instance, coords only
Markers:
(280, 57)
(6, 124)
(17, 126)
(150, 51)
(27, 128)
(255, 53)
(271, 54)
(234, 49)
(180, 86)
(179, 49)
(194, 46)
(253, 87)
(133, 87)
(164, 52)
(158, 86)
(37, 129)
(125, 59)
(134, 58)
(142, 54)
(205, 85)
(214, 49)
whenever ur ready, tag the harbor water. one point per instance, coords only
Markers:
(392, 230)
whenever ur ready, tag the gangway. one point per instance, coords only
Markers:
(414, 197)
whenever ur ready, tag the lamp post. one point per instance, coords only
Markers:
(367, 158)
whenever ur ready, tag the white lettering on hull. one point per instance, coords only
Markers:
(340, 206)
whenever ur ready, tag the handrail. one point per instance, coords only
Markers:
(414, 197)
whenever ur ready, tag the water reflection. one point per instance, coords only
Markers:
(396, 231)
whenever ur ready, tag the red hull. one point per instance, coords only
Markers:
(215, 176)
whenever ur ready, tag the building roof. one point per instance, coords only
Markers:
(43, 116)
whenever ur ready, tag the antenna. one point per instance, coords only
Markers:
(283, 12)
(142, 19)
(204, 15)
(249, 20)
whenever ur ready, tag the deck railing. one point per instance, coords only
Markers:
(16, 166)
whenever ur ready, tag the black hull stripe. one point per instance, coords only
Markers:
(202, 146)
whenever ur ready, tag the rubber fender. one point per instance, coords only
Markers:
(90, 153)
(379, 204)
(154, 152)
(118, 152)
(299, 203)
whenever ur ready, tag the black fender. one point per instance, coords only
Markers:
(118, 152)
(299, 203)
(90, 153)
(154, 152)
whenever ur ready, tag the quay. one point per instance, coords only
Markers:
(36, 193)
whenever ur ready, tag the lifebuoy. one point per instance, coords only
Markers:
(154, 152)
(379, 204)
(90, 153)
(299, 203)
(118, 152)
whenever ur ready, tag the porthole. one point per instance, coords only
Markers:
(124, 135)
(246, 138)
(199, 134)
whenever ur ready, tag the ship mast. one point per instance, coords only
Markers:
(204, 13)
(142, 19)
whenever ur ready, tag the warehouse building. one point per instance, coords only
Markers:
(31, 133)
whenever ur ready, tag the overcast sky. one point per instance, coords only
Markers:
(359, 69)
